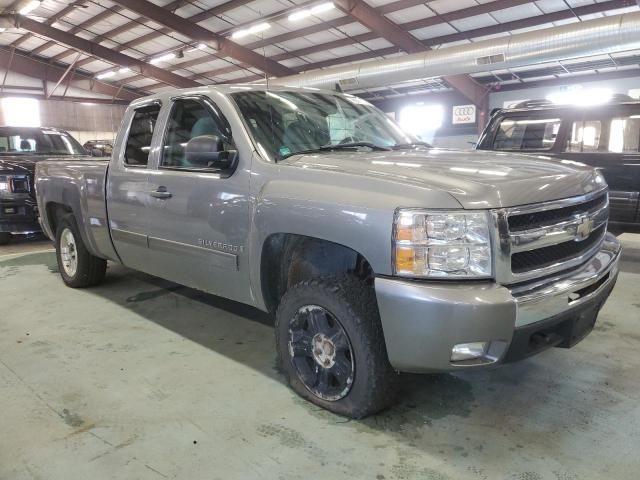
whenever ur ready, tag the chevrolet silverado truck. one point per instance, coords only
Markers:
(376, 253)
(20, 149)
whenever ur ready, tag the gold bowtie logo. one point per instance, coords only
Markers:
(584, 229)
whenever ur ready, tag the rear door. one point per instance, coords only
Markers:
(199, 219)
(128, 185)
(609, 140)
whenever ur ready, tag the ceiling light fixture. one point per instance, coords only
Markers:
(163, 58)
(103, 75)
(320, 8)
(255, 29)
(124, 70)
(29, 7)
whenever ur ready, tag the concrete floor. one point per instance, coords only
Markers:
(142, 379)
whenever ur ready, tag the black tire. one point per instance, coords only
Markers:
(90, 270)
(5, 238)
(353, 304)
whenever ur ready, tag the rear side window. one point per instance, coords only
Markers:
(624, 136)
(585, 136)
(526, 134)
(140, 135)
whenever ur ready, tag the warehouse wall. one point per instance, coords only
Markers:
(85, 121)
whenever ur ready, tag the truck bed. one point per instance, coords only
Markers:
(80, 184)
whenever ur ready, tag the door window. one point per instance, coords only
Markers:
(527, 133)
(140, 135)
(624, 136)
(190, 119)
(585, 136)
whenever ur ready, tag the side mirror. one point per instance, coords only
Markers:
(208, 151)
(96, 152)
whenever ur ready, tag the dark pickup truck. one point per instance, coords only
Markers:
(20, 149)
(604, 136)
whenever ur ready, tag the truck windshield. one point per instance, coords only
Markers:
(37, 141)
(284, 123)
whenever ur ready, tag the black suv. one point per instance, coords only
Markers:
(604, 136)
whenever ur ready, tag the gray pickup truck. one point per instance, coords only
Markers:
(376, 253)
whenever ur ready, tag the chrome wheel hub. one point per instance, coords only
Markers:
(68, 252)
(324, 351)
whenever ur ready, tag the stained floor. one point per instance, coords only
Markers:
(143, 379)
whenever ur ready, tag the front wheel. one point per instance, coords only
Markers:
(5, 238)
(331, 347)
(78, 267)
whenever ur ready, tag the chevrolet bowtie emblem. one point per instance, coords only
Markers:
(584, 229)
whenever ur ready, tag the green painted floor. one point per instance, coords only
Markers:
(142, 379)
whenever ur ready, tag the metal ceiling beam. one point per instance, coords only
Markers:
(97, 50)
(78, 28)
(24, 65)
(501, 28)
(225, 47)
(198, 17)
(396, 35)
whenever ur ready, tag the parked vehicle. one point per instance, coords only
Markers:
(604, 136)
(376, 253)
(99, 148)
(20, 149)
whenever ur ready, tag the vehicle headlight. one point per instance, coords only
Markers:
(5, 184)
(442, 244)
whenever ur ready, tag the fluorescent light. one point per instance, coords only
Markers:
(200, 46)
(581, 96)
(323, 7)
(104, 75)
(29, 7)
(2, 29)
(163, 58)
(302, 14)
(261, 27)
(124, 70)
(255, 29)
(299, 15)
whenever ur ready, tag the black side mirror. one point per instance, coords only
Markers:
(208, 151)
(96, 152)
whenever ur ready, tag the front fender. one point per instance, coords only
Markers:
(338, 212)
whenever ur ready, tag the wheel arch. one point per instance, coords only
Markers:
(287, 259)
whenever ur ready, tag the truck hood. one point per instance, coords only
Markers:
(475, 179)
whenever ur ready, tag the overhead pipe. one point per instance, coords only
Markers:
(605, 35)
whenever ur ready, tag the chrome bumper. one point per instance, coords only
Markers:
(423, 321)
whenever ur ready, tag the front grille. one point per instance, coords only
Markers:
(527, 221)
(522, 262)
(553, 236)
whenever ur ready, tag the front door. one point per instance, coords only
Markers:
(199, 218)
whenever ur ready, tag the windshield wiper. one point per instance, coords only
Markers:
(405, 146)
(340, 146)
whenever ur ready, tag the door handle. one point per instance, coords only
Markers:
(161, 193)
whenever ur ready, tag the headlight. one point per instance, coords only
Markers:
(442, 244)
(5, 184)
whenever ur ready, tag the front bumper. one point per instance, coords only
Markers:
(423, 321)
(19, 216)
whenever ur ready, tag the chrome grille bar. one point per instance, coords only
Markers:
(573, 226)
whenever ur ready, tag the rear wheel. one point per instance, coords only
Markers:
(5, 238)
(78, 267)
(331, 347)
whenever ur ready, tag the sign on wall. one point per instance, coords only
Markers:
(464, 114)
